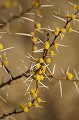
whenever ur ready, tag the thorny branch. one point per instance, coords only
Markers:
(3, 24)
(14, 78)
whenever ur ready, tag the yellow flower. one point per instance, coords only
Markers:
(67, 15)
(5, 55)
(32, 33)
(6, 62)
(36, 4)
(56, 45)
(69, 76)
(70, 30)
(41, 60)
(63, 30)
(26, 109)
(32, 91)
(43, 69)
(68, 25)
(55, 33)
(73, 17)
(29, 104)
(39, 100)
(48, 60)
(7, 4)
(22, 106)
(38, 25)
(1, 46)
(34, 39)
(37, 12)
(47, 45)
(52, 53)
(37, 66)
(34, 48)
(40, 72)
(37, 77)
(36, 104)
(35, 95)
(41, 77)
(75, 6)
(57, 29)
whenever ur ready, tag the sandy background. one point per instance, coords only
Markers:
(55, 108)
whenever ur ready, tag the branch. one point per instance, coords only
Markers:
(12, 78)
(3, 24)
(11, 113)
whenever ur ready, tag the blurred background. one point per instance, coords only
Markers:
(56, 108)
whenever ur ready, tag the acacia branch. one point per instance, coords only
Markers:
(3, 24)
(11, 113)
(13, 78)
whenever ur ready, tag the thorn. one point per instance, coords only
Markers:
(76, 87)
(60, 88)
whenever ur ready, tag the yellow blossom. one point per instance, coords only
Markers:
(52, 53)
(68, 25)
(41, 60)
(48, 60)
(22, 106)
(26, 109)
(47, 45)
(40, 72)
(29, 104)
(36, 104)
(38, 25)
(1, 46)
(43, 68)
(34, 39)
(7, 4)
(56, 45)
(6, 62)
(55, 33)
(75, 6)
(63, 30)
(70, 30)
(73, 17)
(34, 48)
(69, 76)
(39, 100)
(37, 66)
(57, 29)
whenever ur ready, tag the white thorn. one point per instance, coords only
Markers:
(75, 31)
(7, 49)
(43, 85)
(76, 74)
(76, 87)
(23, 34)
(29, 85)
(60, 88)
(3, 99)
(59, 18)
(48, 68)
(70, 3)
(47, 77)
(27, 19)
(68, 69)
(54, 67)
(47, 5)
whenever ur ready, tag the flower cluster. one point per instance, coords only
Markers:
(9, 4)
